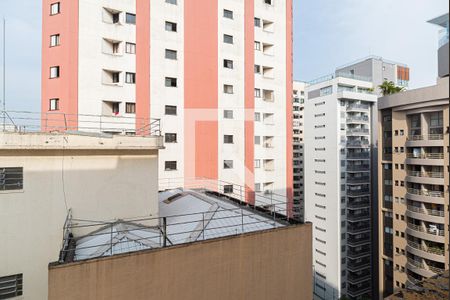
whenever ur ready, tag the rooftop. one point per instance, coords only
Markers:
(434, 288)
(185, 216)
(371, 57)
(442, 20)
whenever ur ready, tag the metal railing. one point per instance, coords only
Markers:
(426, 174)
(425, 155)
(357, 119)
(166, 231)
(427, 193)
(358, 155)
(363, 179)
(358, 107)
(431, 212)
(428, 230)
(26, 121)
(429, 249)
(429, 137)
(358, 168)
(269, 200)
(362, 131)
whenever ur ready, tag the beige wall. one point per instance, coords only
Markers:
(97, 185)
(274, 264)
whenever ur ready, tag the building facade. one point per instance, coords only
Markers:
(46, 177)
(298, 106)
(217, 73)
(413, 172)
(379, 70)
(338, 193)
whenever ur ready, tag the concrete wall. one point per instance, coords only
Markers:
(443, 61)
(249, 266)
(96, 184)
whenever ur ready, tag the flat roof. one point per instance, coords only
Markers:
(185, 216)
(77, 141)
(434, 288)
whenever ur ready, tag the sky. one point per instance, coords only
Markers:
(327, 34)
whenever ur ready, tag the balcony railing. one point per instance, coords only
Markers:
(358, 204)
(353, 265)
(364, 179)
(357, 131)
(357, 106)
(358, 192)
(358, 240)
(358, 168)
(429, 137)
(358, 143)
(431, 212)
(357, 119)
(358, 155)
(357, 217)
(429, 249)
(426, 174)
(355, 229)
(427, 193)
(360, 253)
(425, 155)
(425, 230)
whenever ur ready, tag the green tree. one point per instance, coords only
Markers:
(389, 88)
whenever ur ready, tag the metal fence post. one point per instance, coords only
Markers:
(164, 232)
(242, 220)
(203, 229)
(111, 239)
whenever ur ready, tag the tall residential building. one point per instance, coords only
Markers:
(298, 104)
(413, 172)
(218, 73)
(338, 192)
(379, 69)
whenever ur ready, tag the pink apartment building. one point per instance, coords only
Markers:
(217, 73)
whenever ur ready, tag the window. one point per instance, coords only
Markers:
(130, 18)
(170, 165)
(11, 286)
(11, 179)
(257, 93)
(54, 40)
(228, 63)
(228, 189)
(170, 26)
(257, 140)
(171, 54)
(53, 104)
(257, 116)
(130, 77)
(228, 39)
(257, 163)
(110, 108)
(326, 91)
(171, 110)
(257, 46)
(228, 114)
(228, 164)
(257, 22)
(130, 48)
(54, 72)
(170, 137)
(257, 69)
(257, 187)
(227, 14)
(228, 89)
(228, 139)
(55, 8)
(174, 2)
(130, 108)
(269, 2)
(171, 82)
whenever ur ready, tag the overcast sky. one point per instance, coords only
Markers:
(327, 34)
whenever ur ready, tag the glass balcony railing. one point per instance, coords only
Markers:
(443, 37)
(429, 137)
(428, 230)
(429, 249)
(362, 155)
(431, 212)
(426, 174)
(425, 155)
(428, 193)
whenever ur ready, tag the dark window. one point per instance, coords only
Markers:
(130, 77)
(130, 18)
(228, 164)
(11, 179)
(170, 26)
(228, 39)
(228, 63)
(53, 104)
(171, 110)
(130, 48)
(55, 8)
(115, 17)
(257, 22)
(170, 137)
(115, 107)
(171, 82)
(115, 77)
(130, 108)
(11, 286)
(228, 189)
(170, 165)
(227, 14)
(172, 2)
(171, 54)
(228, 139)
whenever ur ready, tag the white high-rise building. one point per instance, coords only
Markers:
(217, 73)
(298, 106)
(339, 135)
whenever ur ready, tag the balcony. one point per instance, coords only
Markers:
(358, 290)
(429, 137)
(358, 107)
(357, 180)
(358, 144)
(425, 155)
(427, 193)
(360, 228)
(357, 193)
(358, 168)
(358, 132)
(422, 268)
(428, 230)
(358, 156)
(355, 241)
(358, 264)
(425, 211)
(358, 204)
(428, 252)
(355, 254)
(357, 120)
(425, 177)
(358, 217)
(359, 277)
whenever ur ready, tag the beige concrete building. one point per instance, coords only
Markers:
(413, 176)
(44, 177)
